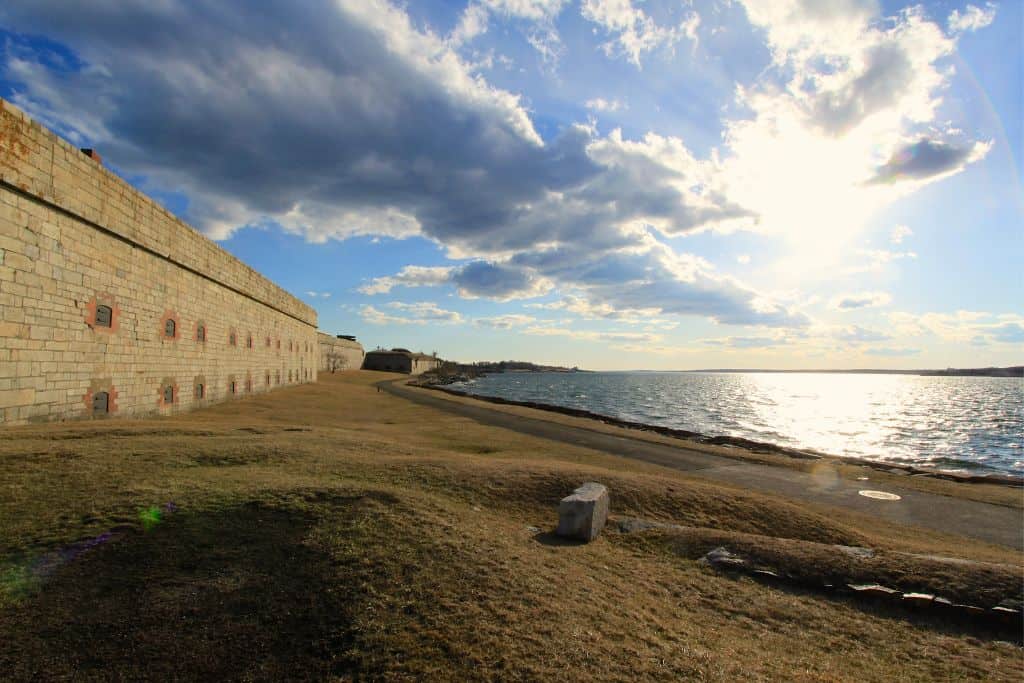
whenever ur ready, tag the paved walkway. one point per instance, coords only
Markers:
(983, 521)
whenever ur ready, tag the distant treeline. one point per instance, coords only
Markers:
(450, 371)
(1014, 371)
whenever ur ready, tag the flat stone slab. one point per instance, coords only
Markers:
(583, 514)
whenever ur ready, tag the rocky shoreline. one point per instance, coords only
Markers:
(443, 384)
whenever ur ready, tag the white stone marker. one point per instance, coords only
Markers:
(583, 514)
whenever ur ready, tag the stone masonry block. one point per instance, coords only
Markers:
(583, 514)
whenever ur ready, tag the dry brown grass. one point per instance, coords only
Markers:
(331, 531)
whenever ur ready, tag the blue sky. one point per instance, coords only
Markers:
(612, 184)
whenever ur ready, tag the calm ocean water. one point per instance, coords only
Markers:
(964, 424)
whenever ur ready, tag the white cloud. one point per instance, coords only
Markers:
(409, 276)
(973, 18)
(850, 95)
(322, 295)
(900, 233)
(594, 335)
(539, 16)
(892, 351)
(420, 313)
(743, 259)
(877, 259)
(961, 327)
(603, 105)
(856, 300)
(477, 279)
(634, 32)
(504, 322)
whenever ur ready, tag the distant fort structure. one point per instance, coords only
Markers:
(341, 352)
(110, 305)
(400, 360)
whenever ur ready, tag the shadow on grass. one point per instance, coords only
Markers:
(229, 594)
(552, 539)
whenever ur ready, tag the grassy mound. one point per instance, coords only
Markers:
(330, 532)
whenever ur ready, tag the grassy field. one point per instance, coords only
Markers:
(331, 531)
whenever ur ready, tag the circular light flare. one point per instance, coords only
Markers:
(879, 495)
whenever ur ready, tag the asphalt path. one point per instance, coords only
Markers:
(983, 521)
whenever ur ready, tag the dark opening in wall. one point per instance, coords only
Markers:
(268, 342)
(200, 332)
(104, 316)
(169, 328)
(248, 341)
(234, 387)
(277, 377)
(232, 338)
(268, 379)
(248, 386)
(168, 394)
(100, 403)
(200, 391)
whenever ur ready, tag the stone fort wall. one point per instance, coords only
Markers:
(339, 354)
(111, 306)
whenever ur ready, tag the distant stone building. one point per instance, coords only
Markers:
(400, 360)
(342, 352)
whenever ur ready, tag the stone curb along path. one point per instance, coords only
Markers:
(982, 521)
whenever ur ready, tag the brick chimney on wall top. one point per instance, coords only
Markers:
(92, 154)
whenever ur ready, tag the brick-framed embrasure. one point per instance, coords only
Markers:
(201, 333)
(97, 385)
(200, 389)
(103, 299)
(167, 385)
(169, 316)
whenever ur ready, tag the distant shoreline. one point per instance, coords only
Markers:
(1012, 371)
(738, 442)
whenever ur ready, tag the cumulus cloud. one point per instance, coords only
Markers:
(419, 313)
(476, 279)
(926, 159)
(410, 276)
(849, 302)
(972, 18)
(632, 31)
(845, 83)
(334, 118)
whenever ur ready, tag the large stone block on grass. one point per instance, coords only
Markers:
(583, 514)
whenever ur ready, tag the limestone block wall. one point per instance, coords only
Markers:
(339, 354)
(423, 363)
(111, 306)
